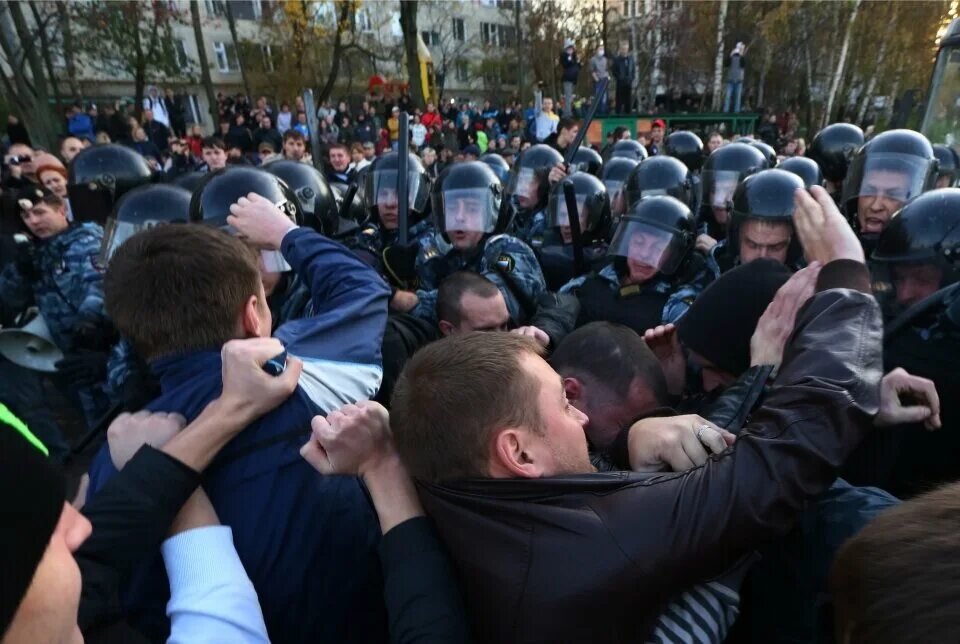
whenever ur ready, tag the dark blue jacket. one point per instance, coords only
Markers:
(307, 542)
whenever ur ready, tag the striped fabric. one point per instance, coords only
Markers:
(704, 614)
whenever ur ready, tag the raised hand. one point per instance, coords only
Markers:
(776, 324)
(823, 231)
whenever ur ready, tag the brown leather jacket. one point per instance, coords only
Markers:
(595, 557)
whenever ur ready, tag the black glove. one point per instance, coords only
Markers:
(93, 334)
(26, 263)
(400, 263)
(83, 368)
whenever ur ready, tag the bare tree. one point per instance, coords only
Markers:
(69, 49)
(718, 59)
(838, 74)
(408, 25)
(232, 23)
(204, 64)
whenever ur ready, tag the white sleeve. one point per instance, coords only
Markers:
(211, 597)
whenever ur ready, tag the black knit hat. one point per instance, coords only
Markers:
(31, 502)
(720, 322)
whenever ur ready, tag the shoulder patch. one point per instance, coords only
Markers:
(505, 262)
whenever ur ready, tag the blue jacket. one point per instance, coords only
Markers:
(307, 542)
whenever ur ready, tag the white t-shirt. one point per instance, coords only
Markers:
(159, 109)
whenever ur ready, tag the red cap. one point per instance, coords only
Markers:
(659, 123)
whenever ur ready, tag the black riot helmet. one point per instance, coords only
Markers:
(498, 164)
(189, 180)
(806, 169)
(317, 201)
(142, 208)
(468, 197)
(528, 186)
(99, 176)
(659, 175)
(657, 232)
(614, 176)
(833, 148)
(380, 189)
(767, 196)
(593, 204)
(926, 231)
(948, 172)
(888, 171)
(221, 189)
(586, 160)
(724, 169)
(628, 149)
(685, 146)
(766, 150)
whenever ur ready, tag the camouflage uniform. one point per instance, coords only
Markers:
(370, 242)
(530, 229)
(504, 260)
(677, 299)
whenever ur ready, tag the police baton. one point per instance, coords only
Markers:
(403, 164)
(314, 126)
(348, 199)
(585, 124)
(573, 217)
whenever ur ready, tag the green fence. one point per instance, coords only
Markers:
(702, 123)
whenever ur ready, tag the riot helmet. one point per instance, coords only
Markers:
(468, 204)
(528, 186)
(656, 235)
(586, 160)
(317, 200)
(659, 175)
(948, 172)
(723, 170)
(498, 164)
(921, 245)
(761, 221)
(766, 150)
(685, 146)
(887, 172)
(628, 149)
(188, 180)
(380, 191)
(614, 176)
(212, 199)
(142, 208)
(593, 205)
(806, 169)
(99, 176)
(833, 148)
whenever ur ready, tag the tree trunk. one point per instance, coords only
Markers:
(343, 20)
(655, 54)
(519, 44)
(68, 50)
(838, 74)
(764, 70)
(204, 65)
(718, 60)
(231, 21)
(881, 58)
(408, 25)
(33, 99)
(46, 54)
(139, 63)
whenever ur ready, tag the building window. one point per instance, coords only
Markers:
(363, 21)
(183, 61)
(226, 57)
(505, 4)
(431, 38)
(246, 9)
(497, 35)
(458, 33)
(216, 8)
(461, 71)
(633, 8)
(266, 55)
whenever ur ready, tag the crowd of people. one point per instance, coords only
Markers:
(486, 384)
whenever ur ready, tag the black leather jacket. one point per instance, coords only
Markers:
(595, 557)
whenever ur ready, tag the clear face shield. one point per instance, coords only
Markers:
(618, 200)
(647, 246)
(718, 188)
(116, 232)
(469, 210)
(524, 188)
(380, 187)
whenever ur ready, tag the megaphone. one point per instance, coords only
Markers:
(31, 346)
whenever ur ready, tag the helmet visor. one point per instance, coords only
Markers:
(647, 245)
(898, 177)
(116, 232)
(524, 184)
(380, 187)
(719, 186)
(90, 204)
(470, 210)
(558, 215)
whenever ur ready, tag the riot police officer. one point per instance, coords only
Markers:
(761, 223)
(377, 240)
(948, 172)
(833, 148)
(498, 164)
(470, 220)
(766, 150)
(628, 149)
(614, 175)
(724, 169)
(528, 189)
(587, 160)
(886, 172)
(660, 175)
(805, 168)
(642, 287)
(686, 147)
(557, 253)
(99, 176)
(317, 200)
